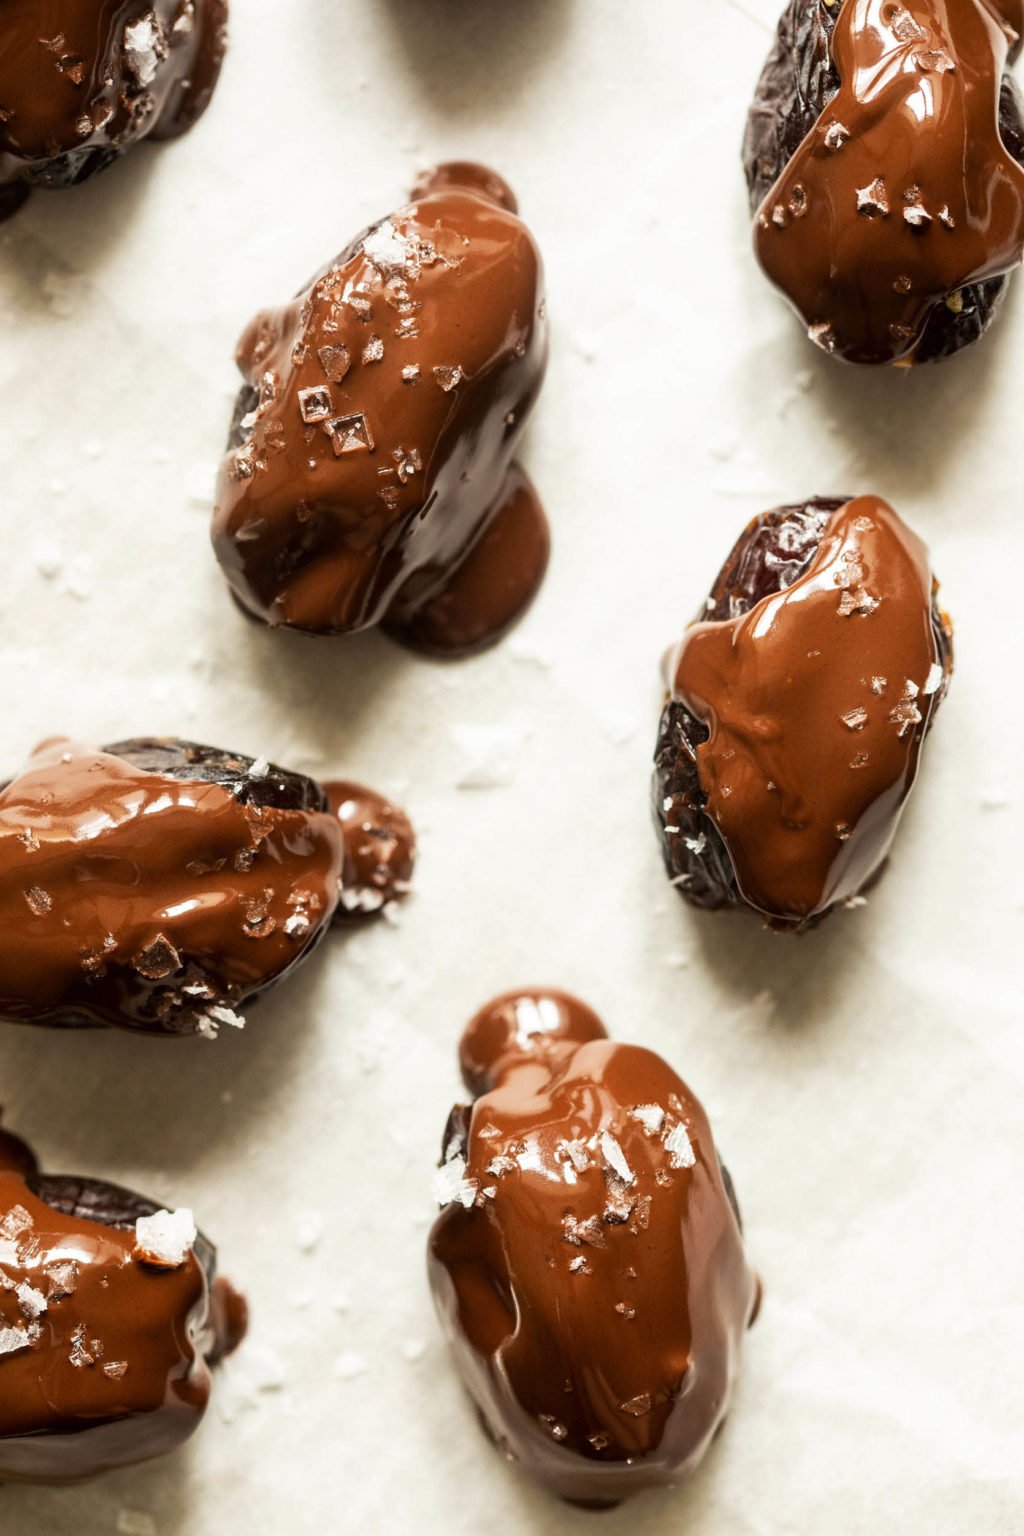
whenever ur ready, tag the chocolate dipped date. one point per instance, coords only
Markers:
(588, 1264)
(81, 81)
(371, 474)
(111, 1315)
(798, 703)
(883, 154)
(157, 885)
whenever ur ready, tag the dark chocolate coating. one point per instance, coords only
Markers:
(798, 82)
(588, 1266)
(775, 551)
(82, 81)
(104, 1354)
(158, 885)
(371, 476)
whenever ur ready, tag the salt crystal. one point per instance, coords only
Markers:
(349, 1365)
(933, 681)
(259, 769)
(855, 719)
(15, 1221)
(315, 404)
(39, 901)
(145, 45)
(696, 844)
(679, 1147)
(487, 756)
(616, 1158)
(310, 1229)
(650, 1116)
(579, 1232)
(165, 1238)
(836, 135)
(335, 361)
(115, 1369)
(48, 560)
(158, 960)
(450, 1185)
(637, 1406)
(61, 1278)
(873, 200)
(200, 484)
(625, 1310)
(411, 374)
(388, 250)
(14, 1339)
(349, 433)
(556, 1430)
(579, 1266)
(31, 1302)
(373, 352)
(879, 685)
(448, 376)
(79, 1356)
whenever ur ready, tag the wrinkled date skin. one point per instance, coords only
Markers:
(797, 84)
(82, 81)
(107, 1356)
(775, 551)
(158, 885)
(371, 476)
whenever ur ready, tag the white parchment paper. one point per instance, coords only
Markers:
(865, 1083)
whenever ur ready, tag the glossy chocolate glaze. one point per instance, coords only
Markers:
(104, 1357)
(883, 156)
(380, 849)
(799, 703)
(371, 476)
(81, 81)
(588, 1264)
(157, 885)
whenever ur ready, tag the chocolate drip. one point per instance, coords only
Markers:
(380, 850)
(157, 885)
(81, 81)
(371, 475)
(588, 1265)
(104, 1354)
(798, 708)
(882, 156)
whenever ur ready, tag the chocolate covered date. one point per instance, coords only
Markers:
(883, 154)
(799, 701)
(157, 885)
(110, 1318)
(81, 81)
(588, 1264)
(371, 474)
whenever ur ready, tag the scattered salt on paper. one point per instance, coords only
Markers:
(310, 1230)
(349, 1365)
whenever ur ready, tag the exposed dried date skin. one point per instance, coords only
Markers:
(797, 84)
(774, 552)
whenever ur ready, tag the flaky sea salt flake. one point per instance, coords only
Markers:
(165, 1238)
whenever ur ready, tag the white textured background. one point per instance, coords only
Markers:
(865, 1082)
